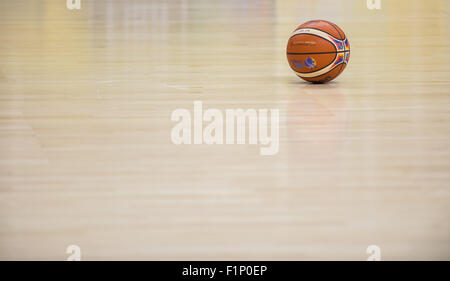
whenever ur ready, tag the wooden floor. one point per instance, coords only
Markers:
(86, 156)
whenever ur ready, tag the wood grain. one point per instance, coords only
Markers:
(86, 157)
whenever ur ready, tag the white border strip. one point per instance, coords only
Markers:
(320, 33)
(316, 73)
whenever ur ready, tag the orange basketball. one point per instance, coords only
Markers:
(318, 51)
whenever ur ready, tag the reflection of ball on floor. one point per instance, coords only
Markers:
(317, 124)
(318, 51)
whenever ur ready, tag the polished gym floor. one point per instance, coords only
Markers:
(86, 156)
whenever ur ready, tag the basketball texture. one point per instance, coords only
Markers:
(318, 51)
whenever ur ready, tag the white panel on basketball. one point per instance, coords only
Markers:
(319, 33)
(318, 72)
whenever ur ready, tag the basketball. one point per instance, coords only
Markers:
(318, 51)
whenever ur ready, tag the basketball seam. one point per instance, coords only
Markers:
(340, 70)
(332, 61)
(324, 73)
(333, 25)
(342, 64)
(319, 53)
(317, 36)
(312, 34)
